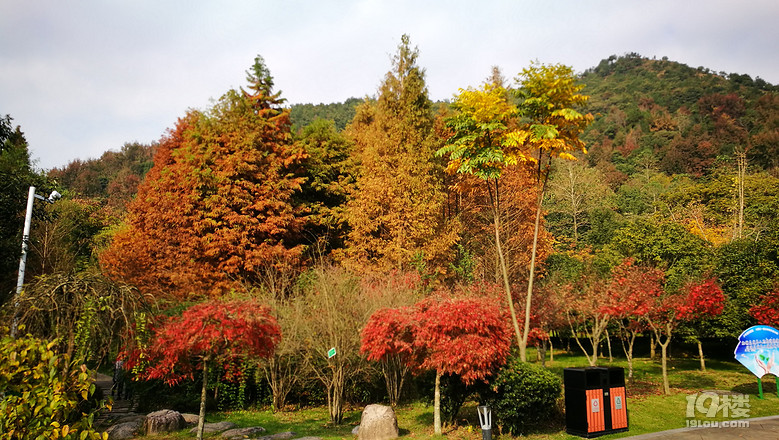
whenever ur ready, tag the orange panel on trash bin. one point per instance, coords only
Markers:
(595, 420)
(619, 409)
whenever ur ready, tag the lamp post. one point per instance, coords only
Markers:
(31, 196)
(485, 420)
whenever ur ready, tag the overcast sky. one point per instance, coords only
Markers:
(83, 77)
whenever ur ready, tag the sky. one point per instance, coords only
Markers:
(83, 77)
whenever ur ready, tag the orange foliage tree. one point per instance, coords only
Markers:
(396, 209)
(217, 206)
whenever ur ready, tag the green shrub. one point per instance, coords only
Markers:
(44, 393)
(523, 397)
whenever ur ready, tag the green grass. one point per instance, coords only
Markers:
(648, 409)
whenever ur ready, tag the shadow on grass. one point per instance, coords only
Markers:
(692, 381)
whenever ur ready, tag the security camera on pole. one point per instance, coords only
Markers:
(25, 246)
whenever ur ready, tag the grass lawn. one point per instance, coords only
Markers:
(648, 409)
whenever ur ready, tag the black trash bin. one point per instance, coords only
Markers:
(595, 402)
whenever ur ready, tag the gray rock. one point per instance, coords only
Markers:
(241, 433)
(125, 430)
(309, 438)
(163, 421)
(378, 423)
(191, 419)
(356, 430)
(209, 428)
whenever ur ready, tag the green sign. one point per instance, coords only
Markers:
(331, 353)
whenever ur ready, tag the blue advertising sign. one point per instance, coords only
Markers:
(758, 350)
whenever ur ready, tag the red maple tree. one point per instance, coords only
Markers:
(388, 338)
(766, 312)
(694, 301)
(207, 333)
(464, 336)
(631, 294)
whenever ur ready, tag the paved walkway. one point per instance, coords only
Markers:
(763, 428)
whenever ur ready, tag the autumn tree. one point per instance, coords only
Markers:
(333, 313)
(463, 336)
(388, 338)
(487, 138)
(475, 148)
(704, 301)
(632, 291)
(396, 209)
(766, 312)
(672, 308)
(586, 312)
(217, 206)
(208, 334)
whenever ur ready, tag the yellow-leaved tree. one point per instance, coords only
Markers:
(491, 133)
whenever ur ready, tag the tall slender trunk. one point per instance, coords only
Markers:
(608, 344)
(437, 405)
(504, 270)
(531, 277)
(201, 418)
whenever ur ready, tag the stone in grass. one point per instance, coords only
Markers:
(210, 428)
(163, 421)
(378, 423)
(125, 430)
(191, 419)
(241, 433)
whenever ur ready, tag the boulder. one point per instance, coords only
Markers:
(163, 421)
(125, 430)
(209, 428)
(378, 423)
(241, 433)
(191, 419)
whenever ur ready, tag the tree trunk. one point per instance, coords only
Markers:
(652, 344)
(201, 418)
(664, 362)
(504, 271)
(700, 353)
(437, 405)
(551, 350)
(608, 344)
(531, 277)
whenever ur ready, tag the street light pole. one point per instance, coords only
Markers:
(31, 196)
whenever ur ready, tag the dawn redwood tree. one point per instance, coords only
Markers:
(206, 334)
(396, 209)
(217, 206)
(464, 336)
